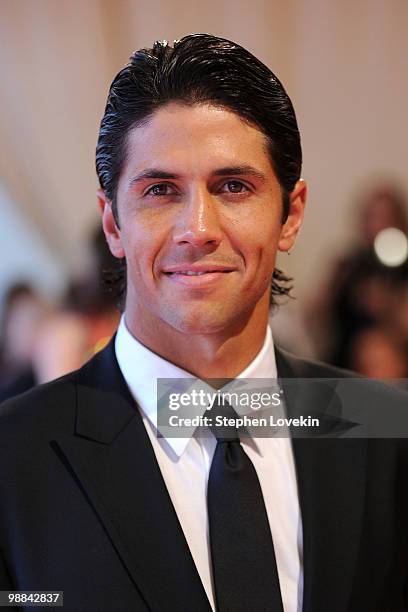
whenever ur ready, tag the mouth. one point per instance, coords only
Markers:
(193, 273)
(197, 269)
(200, 277)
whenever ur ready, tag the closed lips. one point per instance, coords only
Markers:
(197, 273)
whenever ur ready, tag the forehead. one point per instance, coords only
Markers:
(199, 135)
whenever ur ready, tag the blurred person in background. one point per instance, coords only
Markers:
(378, 353)
(87, 319)
(24, 311)
(380, 349)
(362, 292)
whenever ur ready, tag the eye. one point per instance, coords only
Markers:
(234, 187)
(160, 189)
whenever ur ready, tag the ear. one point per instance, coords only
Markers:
(112, 232)
(291, 227)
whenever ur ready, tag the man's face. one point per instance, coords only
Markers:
(200, 212)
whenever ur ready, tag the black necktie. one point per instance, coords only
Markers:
(243, 559)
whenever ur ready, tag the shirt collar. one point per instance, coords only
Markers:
(141, 368)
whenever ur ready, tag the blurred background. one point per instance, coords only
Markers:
(345, 67)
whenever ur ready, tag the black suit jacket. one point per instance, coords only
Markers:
(84, 508)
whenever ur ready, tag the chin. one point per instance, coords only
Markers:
(210, 321)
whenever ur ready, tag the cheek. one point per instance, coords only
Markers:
(262, 259)
(260, 247)
(142, 247)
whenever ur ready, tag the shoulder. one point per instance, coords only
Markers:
(51, 400)
(296, 367)
(52, 408)
(291, 366)
(378, 409)
(44, 407)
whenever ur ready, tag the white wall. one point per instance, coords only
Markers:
(24, 254)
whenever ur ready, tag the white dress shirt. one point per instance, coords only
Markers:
(185, 465)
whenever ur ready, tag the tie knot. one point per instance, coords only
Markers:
(223, 422)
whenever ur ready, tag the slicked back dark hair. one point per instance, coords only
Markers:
(200, 68)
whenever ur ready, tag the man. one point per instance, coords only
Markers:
(199, 163)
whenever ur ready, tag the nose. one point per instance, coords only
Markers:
(198, 223)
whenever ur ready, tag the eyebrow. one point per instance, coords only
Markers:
(152, 173)
(155, 173)
(240, 171)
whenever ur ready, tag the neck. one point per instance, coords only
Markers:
(223, 354)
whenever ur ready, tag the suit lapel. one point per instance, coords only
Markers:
(331, 483)
(114, 462)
